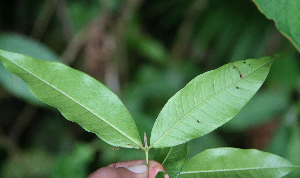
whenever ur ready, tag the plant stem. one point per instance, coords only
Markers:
(146, 148)
(147, 159)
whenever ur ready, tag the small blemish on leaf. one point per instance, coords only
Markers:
(244, 62)
(198, 121)
(241, 75)
(237, 87)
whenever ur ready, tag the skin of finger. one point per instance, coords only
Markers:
(121, 172)
(154, 167)
(117, 170)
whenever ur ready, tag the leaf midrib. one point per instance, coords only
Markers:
(206, 102)
(83, 106)
(241, 169)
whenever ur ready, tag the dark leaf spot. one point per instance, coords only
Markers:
(237, 87)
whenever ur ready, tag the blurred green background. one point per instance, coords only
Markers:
(145, 51)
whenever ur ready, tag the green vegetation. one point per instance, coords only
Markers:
(145, 52)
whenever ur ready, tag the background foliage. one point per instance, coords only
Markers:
(145, 51)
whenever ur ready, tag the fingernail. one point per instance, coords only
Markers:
(138, 169)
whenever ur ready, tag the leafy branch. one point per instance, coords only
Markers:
(204, 104)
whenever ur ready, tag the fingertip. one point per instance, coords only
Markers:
(155, 168)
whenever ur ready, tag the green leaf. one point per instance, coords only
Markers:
(234, 162)
(286, 15)
(172, 158)
(209, 101)
(160, 175)
(21, 44)
(79, 97)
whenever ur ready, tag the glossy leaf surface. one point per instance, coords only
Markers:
(209, 101)
(172, 158)
(286, 15)
(234, 162)
(79, 97)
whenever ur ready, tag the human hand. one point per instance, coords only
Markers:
(130, 169)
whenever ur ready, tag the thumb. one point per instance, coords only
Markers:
(134, 171)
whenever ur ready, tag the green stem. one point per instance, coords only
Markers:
(147, 159)
(146, 148)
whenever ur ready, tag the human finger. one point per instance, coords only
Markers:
(126, 169)
(154, 168)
